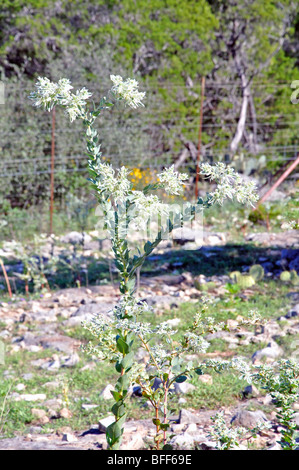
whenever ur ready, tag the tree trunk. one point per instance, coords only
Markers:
(243, 113)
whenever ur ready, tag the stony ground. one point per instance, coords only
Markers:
(41, 337)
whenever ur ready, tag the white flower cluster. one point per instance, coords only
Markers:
(102, 329)
(48, 94)
(229, 184)
(145, 207)
(196, 343)
(254, 318)
(127, 91)
(243, 368)
(224, 436)
(129, 306)
(172, 181)
(116, 185)
(291, 225)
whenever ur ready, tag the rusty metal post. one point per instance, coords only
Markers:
(280, 180)
(199, 136)
(52, 170)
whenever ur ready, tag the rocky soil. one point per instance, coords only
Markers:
(63, 310)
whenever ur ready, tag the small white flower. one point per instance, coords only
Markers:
(49, 94)
(229, 184)
(172, 181)
(127, 91)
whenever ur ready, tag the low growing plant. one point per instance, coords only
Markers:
(124, 212)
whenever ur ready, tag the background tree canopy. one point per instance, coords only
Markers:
(247, 50)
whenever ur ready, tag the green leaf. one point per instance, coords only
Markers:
(181, 379)
(147, 247)
(123, 383)
(199, 371)
(165, 426)
(116, 395)
(114, 431)
(122, 346)
(127, 360)
(118, 409)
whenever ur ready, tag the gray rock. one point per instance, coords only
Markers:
(182, 388)
(132, 441)
(106, 392)
(248, 419)
(31, 397)
(187, 417)
(51, 365)
(76, 238)
(87, 406)
(89, 310)
(69, 437)
(182, 441)
(71, 361)
(272, 351)
(105, 422)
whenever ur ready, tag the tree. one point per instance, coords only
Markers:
(250, 35)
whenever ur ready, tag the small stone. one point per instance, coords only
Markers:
(182, 441)
(69, 437)
(65, 413)
(183, 387)
(20, 387)
(28, 376)
(177, 428)
(270, 353)
(132, 442)
(182, 400)
(232, 324)
(248, 419)
(187, 417)
(191, 428)
(106, 392)
(206, 379)
(275, 446)
(33, 397)
(87, 407)
(37, 413)
(71, 361)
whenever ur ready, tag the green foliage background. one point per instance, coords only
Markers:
(168, 45)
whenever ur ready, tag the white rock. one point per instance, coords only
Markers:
(105, 422)
(106, 392)
(34, 397)
(133, 442)
(69, 437)
(183, 387)
(71, 361)
(191, 428)
(206, 379)
(271, 352)
(87, 406)
(182, 440)
(20, 387)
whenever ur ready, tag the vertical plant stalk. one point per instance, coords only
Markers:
(52, 171)
(6, 278)
(165, 422)
(199, 136)
(124, 340)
